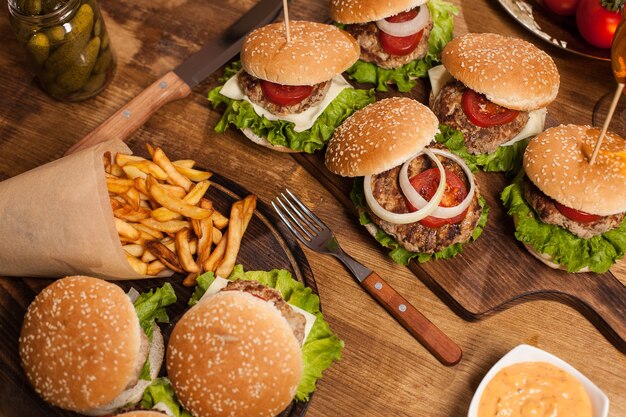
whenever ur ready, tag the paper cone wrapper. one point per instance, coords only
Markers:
(57, 220)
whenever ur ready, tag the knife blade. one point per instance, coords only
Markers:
(178, 83)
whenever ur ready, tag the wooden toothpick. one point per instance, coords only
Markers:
(286, 13)
(609, 116)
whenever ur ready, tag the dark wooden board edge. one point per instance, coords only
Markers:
(340, 187)
(20, 291)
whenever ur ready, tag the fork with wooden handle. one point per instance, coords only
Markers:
(314, 234)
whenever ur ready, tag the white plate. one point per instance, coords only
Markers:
(526, 353)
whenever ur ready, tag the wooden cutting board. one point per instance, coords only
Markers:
(266, 245)
(496, 272)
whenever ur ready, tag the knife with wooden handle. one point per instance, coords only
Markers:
(178, 83)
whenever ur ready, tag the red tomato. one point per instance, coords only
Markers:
(403, 17)
(399, 45)
(562, 7)
(576, 215)
(426, 183)
(596, 24)
(285, 95)
(483, 112)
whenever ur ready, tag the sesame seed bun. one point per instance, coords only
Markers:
(380, 136)
(141, 414)
(81, 343)
(234, 355)
(509, 71)
(557, 162)
(317, 52)
(362, 11)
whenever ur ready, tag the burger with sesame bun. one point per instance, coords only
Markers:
(491, 94)
(87, 347)
(399, 39)
(417, 200)
(290, 95)
(249, 346)
(569, 213)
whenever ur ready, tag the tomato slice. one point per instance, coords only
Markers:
(403, 17)
(399, 45)
(426, 183)
(285, 95)
(576, 215)
(483, 112)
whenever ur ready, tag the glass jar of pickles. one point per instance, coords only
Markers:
(67, 44)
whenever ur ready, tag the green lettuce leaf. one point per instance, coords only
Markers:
(405, 77)
(597, 253)
(150, 307)
(505, 158)
(398, 253)
(241, 114)
(321, 348)
(161, 391)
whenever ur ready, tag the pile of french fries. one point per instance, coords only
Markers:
(164, 220)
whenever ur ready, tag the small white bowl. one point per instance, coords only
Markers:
(526, 353)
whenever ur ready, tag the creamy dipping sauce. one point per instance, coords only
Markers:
(534, 389)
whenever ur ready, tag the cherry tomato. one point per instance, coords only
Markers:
(403, 17)
(285, 95)
(426, 183)
(562, 7)
(576, 215)
(596, 24)
(399, 45)
(483, 112)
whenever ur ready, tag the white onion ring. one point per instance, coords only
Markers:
(407, 28)
(418, 201)
(406, 218)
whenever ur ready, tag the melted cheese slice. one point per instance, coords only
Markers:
(304, 120)
(221, 283)
(439, 77)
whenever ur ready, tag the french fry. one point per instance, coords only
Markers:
(122, 159)
(217, 235)
(155, 268)
(174, 177)
(147, 257)
(219, 220)
(190, 279)
(153, 233)
(164, 214)
(194, 174)
(132, 197)
(172, 226)
(174, 190)
(150, 149)
(163, 254)
(115, 204)
(184, 163)
(139, 267)
(184, 254)
(118, 185)
(175, 204)
(133, 172)
(216, 256)
(240, 215)
(117, 171)
(125, 229)
(134, 249)
(131, 215)
(149, 168)
(106, 160)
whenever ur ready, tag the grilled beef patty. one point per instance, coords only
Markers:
(366, 34)
(296, 320)
(414, 236)
(548, 213)
(251, 86)
(479, 140)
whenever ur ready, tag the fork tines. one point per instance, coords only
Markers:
(297, 217)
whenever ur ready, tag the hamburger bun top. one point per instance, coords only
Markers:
(363, 11)
(380, 136)
(141, 414)
(80, 343)
(234, 355)
(317, 52)
(509, 71)
(557, 161)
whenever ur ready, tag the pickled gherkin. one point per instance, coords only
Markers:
(39, 47)
(78, 74)
(75, 41)
(67, 43)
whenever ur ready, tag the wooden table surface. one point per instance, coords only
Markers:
(384, 371)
